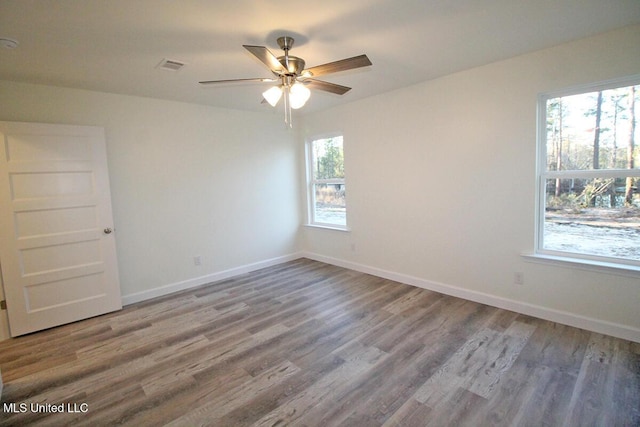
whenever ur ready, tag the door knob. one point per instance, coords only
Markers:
(107, 231)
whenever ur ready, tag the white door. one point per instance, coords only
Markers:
(57, 247)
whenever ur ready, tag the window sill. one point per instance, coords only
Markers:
(328, 227)
(585, 264)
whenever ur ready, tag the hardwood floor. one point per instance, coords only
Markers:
(310, 344)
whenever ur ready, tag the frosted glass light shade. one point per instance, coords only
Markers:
(273, 95)
(298, 95)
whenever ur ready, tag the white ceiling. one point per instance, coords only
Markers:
(115, 45)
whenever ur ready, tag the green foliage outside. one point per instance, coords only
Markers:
(328, 158)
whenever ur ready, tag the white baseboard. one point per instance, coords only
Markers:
(558, 316)
(203, 280)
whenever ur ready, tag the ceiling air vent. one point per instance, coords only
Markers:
(170, 65)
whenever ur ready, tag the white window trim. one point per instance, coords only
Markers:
(584, 264)
(591, 262)
(311, 202)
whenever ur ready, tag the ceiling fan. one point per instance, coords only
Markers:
(293, 80)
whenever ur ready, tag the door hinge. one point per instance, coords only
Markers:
(3, 305)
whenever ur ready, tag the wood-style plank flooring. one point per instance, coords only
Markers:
(310, 344)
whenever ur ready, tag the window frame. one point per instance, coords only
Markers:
(312, 182)
(542, 175)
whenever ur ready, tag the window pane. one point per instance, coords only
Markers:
(330, 207)
(328, 158)
(593, 130)
(593, 216)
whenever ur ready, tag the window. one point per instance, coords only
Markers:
(327, 195)
(589, 171)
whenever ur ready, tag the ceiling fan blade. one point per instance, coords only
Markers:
(342, 65)
(326, 86)
(266, 57)
(259, 80)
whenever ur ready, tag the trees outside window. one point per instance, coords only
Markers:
(327, 190)
(589, 204)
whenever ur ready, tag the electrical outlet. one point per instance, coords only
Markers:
(518, 278)
(197, 260)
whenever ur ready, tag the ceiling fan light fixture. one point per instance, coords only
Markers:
(295, 79)
(273, 95)
(298, 95)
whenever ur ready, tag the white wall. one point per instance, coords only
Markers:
(186, 180)
(441, 185)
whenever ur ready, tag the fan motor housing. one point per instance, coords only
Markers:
(294, 66)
